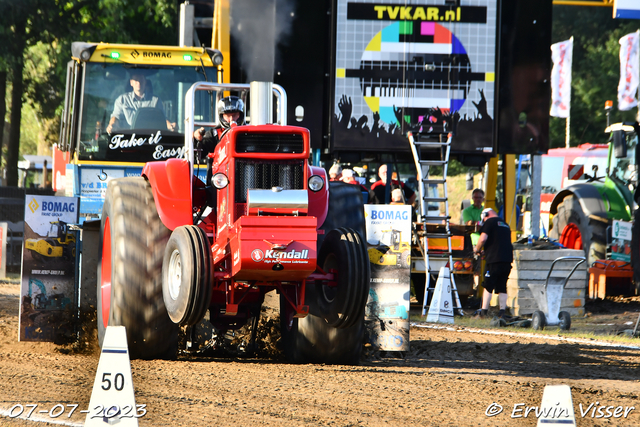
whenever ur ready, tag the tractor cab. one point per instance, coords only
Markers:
(623, 162)
(131, 100)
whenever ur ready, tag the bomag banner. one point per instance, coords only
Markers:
(389, 248)
(48, 297)
(424, 65)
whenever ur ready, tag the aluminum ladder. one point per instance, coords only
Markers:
(428, 152)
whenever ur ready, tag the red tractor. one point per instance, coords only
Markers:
(174, 246)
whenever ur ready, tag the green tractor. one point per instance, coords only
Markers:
(582, 213)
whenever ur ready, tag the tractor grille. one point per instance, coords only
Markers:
(264, 175)
(251, 142)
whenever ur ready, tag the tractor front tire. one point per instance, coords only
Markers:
(131, 250)
(575, 230)
(186, 275)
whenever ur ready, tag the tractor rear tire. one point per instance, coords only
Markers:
(571, 224)
(131, 250)
(311, 339)
(343, 250)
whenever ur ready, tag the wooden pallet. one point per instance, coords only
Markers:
(532, 266)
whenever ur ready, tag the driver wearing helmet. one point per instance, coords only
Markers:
(230, 110)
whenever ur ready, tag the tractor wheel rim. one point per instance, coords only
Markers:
(175, 274)
(105, 273)
(570, 235)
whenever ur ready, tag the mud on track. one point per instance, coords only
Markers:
(448, 378)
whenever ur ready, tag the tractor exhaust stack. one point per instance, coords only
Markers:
(261, 103)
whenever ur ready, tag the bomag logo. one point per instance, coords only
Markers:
(58, 207)
(33, 205)
(271, 254)
(164, 55)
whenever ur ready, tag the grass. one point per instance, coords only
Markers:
(457, 189)
(581, 332)
(11, 278)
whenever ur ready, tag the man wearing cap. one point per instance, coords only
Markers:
(495, 237)
(126, 105)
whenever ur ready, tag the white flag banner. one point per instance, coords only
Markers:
(562, 57)
(628, 85)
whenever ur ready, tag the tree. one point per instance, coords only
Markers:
(26, 22)
(53, 25)
(595, 71)
(3, 83)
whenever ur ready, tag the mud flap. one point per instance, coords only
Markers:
(89, 265)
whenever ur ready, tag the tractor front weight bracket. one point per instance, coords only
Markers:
(232, 304)
(299, 308)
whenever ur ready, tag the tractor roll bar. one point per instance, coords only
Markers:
(190, 123)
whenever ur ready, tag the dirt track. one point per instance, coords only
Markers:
(450, 377)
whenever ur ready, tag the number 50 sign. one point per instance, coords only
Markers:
(113, 387)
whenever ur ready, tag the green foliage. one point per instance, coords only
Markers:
(595, 71)
(31, 131)
(42, 69)
(39, 33)
(455, 168)
(145, 22)
(114, 21)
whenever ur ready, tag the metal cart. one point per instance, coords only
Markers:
(549, 297)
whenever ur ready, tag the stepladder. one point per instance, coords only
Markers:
(437, 239)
